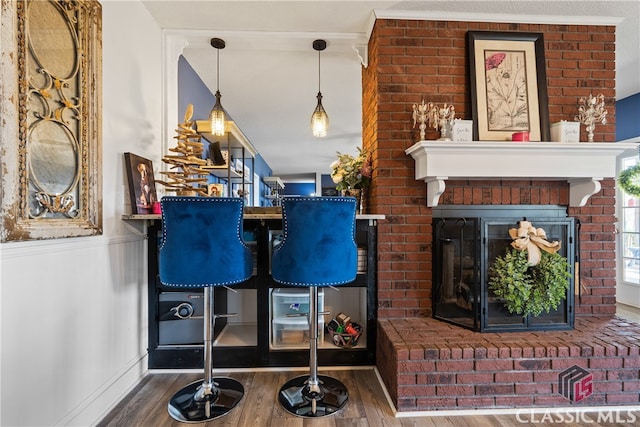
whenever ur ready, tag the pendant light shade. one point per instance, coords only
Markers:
(319, 118)
(217, 117)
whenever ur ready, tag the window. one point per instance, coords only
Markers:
(629, 254)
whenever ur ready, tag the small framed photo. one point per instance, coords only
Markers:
(142, 186)
(508, 85)
(217, 190)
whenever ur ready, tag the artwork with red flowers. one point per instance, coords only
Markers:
(508, 85)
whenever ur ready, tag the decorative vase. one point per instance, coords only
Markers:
(357, 193)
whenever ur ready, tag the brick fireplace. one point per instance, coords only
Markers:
(467, 240)
(425, 364)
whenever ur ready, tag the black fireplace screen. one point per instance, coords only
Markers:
(465, 248)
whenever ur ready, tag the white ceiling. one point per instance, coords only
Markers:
(269, 70)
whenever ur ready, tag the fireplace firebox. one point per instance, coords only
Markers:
(467, 240)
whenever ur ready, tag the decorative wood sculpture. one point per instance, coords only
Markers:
(186, 175)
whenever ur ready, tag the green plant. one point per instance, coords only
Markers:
(530, 290)
(629, 180)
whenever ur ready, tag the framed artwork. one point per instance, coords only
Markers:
(217, 190)
(142, 187)
(508, 85)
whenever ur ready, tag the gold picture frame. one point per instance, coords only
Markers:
(50, 136)
(508, 85)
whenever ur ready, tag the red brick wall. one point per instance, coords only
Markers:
(411, 60)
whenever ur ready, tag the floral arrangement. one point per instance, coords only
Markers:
(350, 172)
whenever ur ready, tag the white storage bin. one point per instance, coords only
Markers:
(289, 317)
(362, 261)
(293, 332)
(288, 302)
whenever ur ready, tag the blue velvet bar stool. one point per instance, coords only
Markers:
(318, 249)
(202, 247)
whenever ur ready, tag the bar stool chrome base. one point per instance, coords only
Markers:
(194, 404)
(326, 398)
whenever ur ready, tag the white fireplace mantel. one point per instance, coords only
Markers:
(583, 165)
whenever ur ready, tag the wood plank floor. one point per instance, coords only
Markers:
(146, 406)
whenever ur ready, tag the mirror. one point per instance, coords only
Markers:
(53, 159)
(55, 169)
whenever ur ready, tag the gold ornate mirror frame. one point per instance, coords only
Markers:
(50, 110)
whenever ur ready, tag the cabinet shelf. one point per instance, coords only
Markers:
(222, 171)
(237, 335)
(274, 182)
(275, 187)
(263, 335)
(238, 153)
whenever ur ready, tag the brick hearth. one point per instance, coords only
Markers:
(430, 365)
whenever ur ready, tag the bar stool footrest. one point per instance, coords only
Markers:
(296, 398)
(226, 394)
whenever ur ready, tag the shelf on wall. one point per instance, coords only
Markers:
(582, 164)
(236, 139)
(274, 182)
(275, 186)
(224, 172)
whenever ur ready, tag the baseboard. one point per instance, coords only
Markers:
(528, 415)
(99, 403)
(541, 415)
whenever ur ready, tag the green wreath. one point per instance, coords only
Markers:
(530, 290)
(629, 180)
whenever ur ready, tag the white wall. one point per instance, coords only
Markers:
(73, 312)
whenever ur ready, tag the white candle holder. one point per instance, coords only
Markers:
(420, 114)
(591, 111)
(441, 118)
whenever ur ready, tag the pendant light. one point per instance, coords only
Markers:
(319, 118)
(217, 115)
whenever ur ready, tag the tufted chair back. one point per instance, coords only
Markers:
(202, 244)
(318, 246)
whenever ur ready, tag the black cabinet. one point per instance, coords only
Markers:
(260, 336)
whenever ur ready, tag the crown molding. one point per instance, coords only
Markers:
(414, 15)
